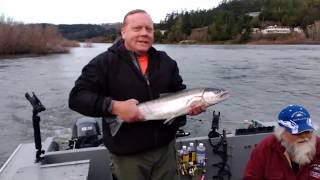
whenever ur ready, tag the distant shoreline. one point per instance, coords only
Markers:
(290, 41)
(257, 42)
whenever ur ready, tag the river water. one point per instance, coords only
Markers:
(261, 81)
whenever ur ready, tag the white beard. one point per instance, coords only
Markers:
(301, 153)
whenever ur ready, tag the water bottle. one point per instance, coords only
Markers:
(201, 155)
(192, 153)
(180, 153)
(189, 157)
(185, 155)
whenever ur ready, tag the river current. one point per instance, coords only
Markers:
(261, 81)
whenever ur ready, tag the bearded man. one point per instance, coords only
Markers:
(292, 152)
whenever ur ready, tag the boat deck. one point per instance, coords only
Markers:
(94, 164)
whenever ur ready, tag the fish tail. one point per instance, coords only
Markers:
(169, 120)
(115, 125)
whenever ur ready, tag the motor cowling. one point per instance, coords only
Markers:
(85, 133)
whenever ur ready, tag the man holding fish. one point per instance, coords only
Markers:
(123, 86)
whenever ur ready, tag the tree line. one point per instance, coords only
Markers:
(95, 32)
(19, 38)
(231, 19)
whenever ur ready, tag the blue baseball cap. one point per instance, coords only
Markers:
(295, 119)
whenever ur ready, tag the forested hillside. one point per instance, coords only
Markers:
(232, 18)
(86, 31)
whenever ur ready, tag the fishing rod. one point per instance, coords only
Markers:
(37, 108)
(220, 148)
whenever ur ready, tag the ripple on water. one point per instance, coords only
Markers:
(261, 79)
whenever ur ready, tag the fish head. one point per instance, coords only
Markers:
(213, 96)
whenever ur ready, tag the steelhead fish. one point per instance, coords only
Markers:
(176, 104)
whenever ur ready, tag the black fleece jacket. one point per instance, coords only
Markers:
(113, 75)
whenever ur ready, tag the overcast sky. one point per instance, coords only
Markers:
(93, 11)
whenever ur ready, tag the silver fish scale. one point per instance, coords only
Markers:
(171, 106)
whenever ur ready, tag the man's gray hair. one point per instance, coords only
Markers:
(124, 23)
(278, 131)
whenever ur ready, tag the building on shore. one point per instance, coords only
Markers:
(298, 30)
(253, 14)
(276, 30)
(163, 32)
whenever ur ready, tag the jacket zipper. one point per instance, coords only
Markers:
(148, 87)
(156, 132)
(136, 63)
(146, 78)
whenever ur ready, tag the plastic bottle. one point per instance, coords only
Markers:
(180, 153)
(185, 155)
(189, 157)
(192, 153)
(201, 155)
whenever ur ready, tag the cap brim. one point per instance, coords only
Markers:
(304, 128)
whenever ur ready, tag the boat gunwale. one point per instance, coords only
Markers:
(10, 158)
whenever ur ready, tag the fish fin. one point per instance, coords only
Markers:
(115, 125)
(169, 121)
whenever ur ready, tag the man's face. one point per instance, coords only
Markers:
(300, 147)
(138, 32)
(297, 138)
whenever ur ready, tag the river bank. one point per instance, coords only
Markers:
(18, 39)
(293, 39)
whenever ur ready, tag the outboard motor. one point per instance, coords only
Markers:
(85, 133)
